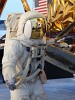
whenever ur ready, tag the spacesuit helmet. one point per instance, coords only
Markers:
(31, 28)
(35, 28)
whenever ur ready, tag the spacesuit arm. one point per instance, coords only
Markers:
(11, 55)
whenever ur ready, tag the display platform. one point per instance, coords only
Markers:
(56, 89)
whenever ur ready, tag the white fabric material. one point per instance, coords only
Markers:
(29, 91)
(25, 17)
(13, 61)
(17, 25)
(22, 35)
(12, 25)
(15, 56)
(12, 51)
(25, 72)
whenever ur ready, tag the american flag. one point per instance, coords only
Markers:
(41, 6)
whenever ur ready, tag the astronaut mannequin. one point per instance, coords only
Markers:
(19, 56)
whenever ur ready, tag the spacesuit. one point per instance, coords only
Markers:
(29, 31)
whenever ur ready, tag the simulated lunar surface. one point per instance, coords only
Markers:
(56, 89)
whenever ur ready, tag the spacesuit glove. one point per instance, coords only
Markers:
(11, 85)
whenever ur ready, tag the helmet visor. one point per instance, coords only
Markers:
(38, 28)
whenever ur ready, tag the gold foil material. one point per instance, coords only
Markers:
(25, 5)
(62, 13)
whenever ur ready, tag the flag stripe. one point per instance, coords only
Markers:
(43, 4)
(40, 8)
(44, 10)
(43, 1)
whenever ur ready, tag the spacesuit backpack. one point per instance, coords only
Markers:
(12, 25)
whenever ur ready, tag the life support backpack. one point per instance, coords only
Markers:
(12, 25)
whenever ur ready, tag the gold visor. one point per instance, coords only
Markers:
(38, 28)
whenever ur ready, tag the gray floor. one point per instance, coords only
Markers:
(56, 89)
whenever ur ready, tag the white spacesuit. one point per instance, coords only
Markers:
(19, 56)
